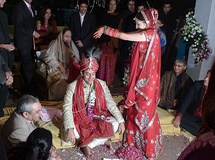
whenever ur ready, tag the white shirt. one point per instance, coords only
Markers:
(82, 18)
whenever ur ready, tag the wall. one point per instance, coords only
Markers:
(204, 15)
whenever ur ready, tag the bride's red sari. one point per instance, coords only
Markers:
(142, 124)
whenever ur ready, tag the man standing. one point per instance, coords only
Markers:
(6, 58)
(24, 23)
(5, 80)
(83, 25)
(168, 18)
(5, 41)
(89, 111)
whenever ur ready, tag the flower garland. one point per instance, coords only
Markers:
(193, 31)
(90, 105)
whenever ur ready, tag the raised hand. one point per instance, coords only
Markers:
(99, 32)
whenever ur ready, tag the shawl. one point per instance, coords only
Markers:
(60, 51)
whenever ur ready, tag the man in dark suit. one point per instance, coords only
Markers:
(24, 25)
(6, 58)
(189, 114)
(83, 25)
(5, 41)
(5, 80)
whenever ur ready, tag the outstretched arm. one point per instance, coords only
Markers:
(131, 36)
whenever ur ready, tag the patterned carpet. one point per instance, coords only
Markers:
(173, 146)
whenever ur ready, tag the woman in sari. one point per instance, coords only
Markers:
(142, 124)
(47, 26)
(62, 60)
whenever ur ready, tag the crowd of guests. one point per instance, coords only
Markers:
(89, 111)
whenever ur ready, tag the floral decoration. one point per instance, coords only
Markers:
(193, 31)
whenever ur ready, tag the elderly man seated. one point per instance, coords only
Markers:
(174, 85)
(89, 111)
(21, 123)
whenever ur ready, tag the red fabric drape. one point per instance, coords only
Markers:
(74, 70)
(142, 124)
(89, 129)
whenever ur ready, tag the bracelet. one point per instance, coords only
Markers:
(105, 29)
(111, 32)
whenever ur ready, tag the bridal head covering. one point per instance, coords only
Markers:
(149, 16)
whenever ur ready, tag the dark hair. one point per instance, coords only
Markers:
(43, 12)
(83, 1)
(38, 144)
(25, 103)
(64, 30)
(167, 2)
(108, 2)
(208, 105)
(140, 16)
(142, 3)
(131, 0)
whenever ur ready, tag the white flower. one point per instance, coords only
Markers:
(193, 30)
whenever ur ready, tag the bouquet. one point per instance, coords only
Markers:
(192, 30)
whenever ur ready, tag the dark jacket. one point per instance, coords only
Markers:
(3, 68)
(193, 98)
(5, 39)
(84, 32)
(24, 26)
(168, 85)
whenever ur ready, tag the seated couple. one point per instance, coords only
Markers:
(62, 60)
(89, 111)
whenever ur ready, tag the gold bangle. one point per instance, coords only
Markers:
(105, 29)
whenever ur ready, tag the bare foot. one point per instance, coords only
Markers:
(108, 143)
(87, 151)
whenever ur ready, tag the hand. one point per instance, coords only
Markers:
(58, 158)
(99, 32)
(53, 155)
(9, 78)
(79, 43)
(121, 128)
(62, 70)
(122, 108)
(9, 47)
(36, 34)
(175, 102)
(177, 121)
(70, 135)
